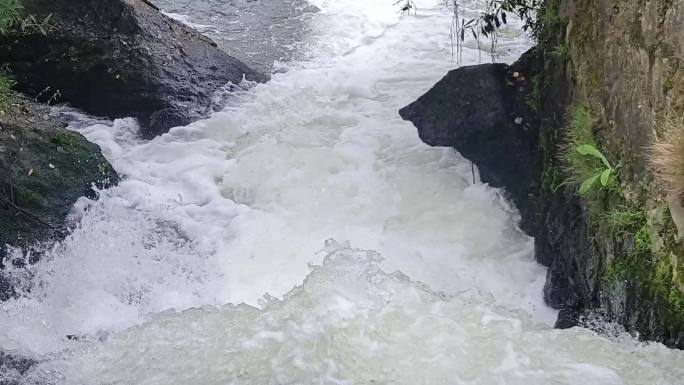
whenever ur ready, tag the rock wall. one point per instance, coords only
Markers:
(604, 85)
(612, 78)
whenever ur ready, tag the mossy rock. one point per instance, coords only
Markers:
(44, 170)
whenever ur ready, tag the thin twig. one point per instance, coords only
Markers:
(13, 205)
(30, 214)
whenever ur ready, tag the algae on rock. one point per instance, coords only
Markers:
(633, 266)
(44, 169)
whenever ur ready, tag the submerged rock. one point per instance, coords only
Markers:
(120, 58)
(44, 169)
(479, 110)
(13, 367)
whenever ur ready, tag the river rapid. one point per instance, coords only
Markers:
(305, 234)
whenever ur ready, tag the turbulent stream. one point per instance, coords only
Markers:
(305, 235)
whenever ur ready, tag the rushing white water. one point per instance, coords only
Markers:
(224, 210)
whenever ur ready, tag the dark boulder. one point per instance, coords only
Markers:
(44, 169)
(119, 58)
(481, 112)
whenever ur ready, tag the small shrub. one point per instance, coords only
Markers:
(581, 128)
(561, 51)
(10, 13)
(642, 240)
(625, 218)
(667, 158)
(632, 220)
(31, 24)
(6, 85)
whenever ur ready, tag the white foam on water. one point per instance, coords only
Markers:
(351, 323)
(238, 205)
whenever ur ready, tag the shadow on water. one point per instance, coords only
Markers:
(257, 32)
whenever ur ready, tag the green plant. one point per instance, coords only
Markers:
(632, 220)
(585, 164)
(533, 99)
(6, 84)
(548, 16)
(603, 175)
(562, 51)
(617, 271)
(642, 240)
(10, 13)
(625, 218)
(30, 23)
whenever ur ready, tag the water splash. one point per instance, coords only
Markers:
(351, 323)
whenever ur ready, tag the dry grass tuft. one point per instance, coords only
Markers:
(667, 158)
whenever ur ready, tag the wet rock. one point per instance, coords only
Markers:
(13, 367)
(119, 58)
(679, 342)
(567, 318)
(44, 169)
(468, 106)
(479, 110)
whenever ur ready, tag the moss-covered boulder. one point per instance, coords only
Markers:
(44, 169)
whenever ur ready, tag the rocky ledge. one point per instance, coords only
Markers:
(120, 58)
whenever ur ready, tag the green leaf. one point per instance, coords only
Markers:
(588, 149)
(605, 176)
(588, 184)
